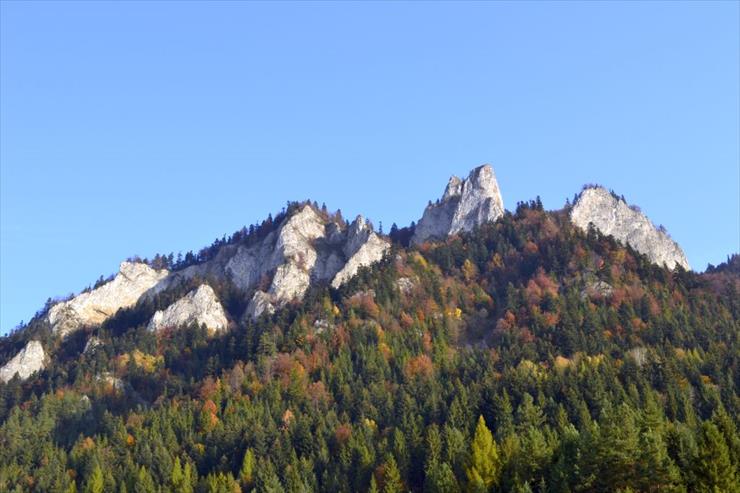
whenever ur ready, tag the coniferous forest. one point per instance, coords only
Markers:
(524, 356)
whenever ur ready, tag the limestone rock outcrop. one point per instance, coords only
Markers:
(200, 306)
(612, 216)
(363, 247)
(306, 249)
(28, 361)
(465, 205)
(96, 306)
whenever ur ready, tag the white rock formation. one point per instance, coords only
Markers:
(465, 205)
(200, 306)
(405, 285)
(597, 289)
(261, 303)
(28, 361)
(363, 247)
(612, 216)
(94, 307)
(304, 248)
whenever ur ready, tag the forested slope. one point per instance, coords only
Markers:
(524, 356)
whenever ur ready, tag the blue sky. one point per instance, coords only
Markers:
(142, 127)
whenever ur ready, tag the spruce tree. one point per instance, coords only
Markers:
(484, 468)
(713, 470)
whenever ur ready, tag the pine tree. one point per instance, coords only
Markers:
(95, 483)
(484, 469)
(246, 474)
(714, 471)
(392, 477)
(144, 482)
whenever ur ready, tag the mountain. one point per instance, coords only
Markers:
(482, 350)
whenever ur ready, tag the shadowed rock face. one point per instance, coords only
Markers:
(465, 205)
(28, 361)
(200, 306)
(96, 306)
(612, 216)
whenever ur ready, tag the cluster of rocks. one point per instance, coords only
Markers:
(305, 248)
(612, 216)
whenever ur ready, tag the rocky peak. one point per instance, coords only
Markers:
(96, 306)
(308, 249)
(454, 188)
(200, 306)
(28, 361)
(363, 247)
(465, 205)
(612, 216)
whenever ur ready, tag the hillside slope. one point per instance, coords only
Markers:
(525, 355)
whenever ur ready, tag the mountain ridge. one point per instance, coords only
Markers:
(280, 259)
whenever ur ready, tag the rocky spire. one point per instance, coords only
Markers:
(465, 205)
(612, 216)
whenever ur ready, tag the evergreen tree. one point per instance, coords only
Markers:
(246, 473)
(95, 483)
(392, 477)
(713, 471)
(484, 468)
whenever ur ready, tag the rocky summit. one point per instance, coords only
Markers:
(200, 306)
(307, 248)
(28, 361)
(612, 216)
(465, 205)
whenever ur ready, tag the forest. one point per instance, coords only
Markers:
(525, 356)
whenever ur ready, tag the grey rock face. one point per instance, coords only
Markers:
(612, 216)
(305, 248)
(465, 205)
(96, 306)
(260, 303)
(363, 247)
(28, 361)
(597, 289)
(405, 285)
(200, 306)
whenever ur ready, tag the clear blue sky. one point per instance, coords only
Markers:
(142, 127)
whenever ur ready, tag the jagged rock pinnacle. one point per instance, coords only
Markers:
(465, 205)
